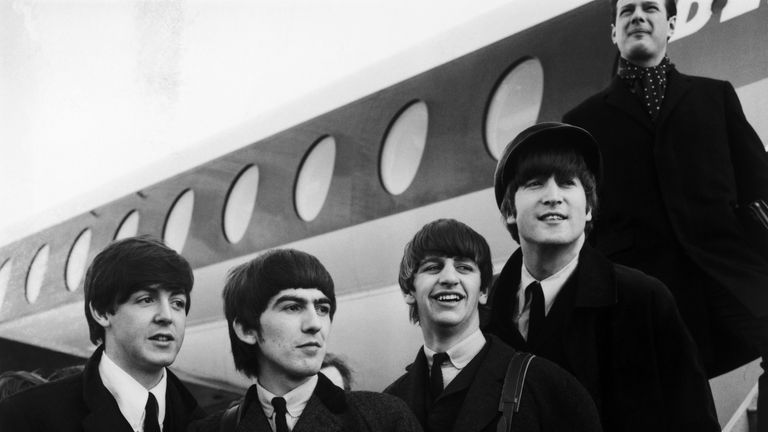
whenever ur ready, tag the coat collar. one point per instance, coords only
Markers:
(618, 95)
(323, 411)
(104, 414)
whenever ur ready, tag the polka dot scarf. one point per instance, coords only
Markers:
(649, 83)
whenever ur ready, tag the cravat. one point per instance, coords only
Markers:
(280, 412)
(150, 415)
(650, 83)
(535, 297)
(436, 374)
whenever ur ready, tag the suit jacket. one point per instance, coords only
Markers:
(552, 399)
(330, 409)
(81, 403)
(672, 192)
(617, 330)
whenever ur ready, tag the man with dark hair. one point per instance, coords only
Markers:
(456, 381)
(686, 178)
(136, 304)
(279, 307)
(614, 328)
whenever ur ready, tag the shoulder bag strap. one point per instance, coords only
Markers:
(512, 392)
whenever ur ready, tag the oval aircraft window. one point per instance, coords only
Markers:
(36, 274)
(178, 221)
(314, 179)
(129, 227)
(5, 277)
(77, 260)
(241, 200)
(514, 106)
(403, 148)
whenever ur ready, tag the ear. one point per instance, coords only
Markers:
(249, 336)
(672, 23)
(511, 220)
(483, 297)
(101, 318)
(613, 34)
(589, 215)
(409, 298)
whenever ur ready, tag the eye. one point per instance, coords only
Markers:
(323, 309)
(179, 303)
(533, 183)
(293, 307)
(145, 299)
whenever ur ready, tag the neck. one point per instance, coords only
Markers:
(442, 338)
(646, 61)
(147, 377)
(542, 261)
(280, 385)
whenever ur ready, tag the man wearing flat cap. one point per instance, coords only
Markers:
(616, 329)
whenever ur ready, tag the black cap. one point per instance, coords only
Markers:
(548, 132)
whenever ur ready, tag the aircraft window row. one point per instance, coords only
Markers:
(514, 105)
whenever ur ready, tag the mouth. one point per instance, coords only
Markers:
(552, 217)
(638, 31)
(162, 337)
(448, 297)
(310, 345)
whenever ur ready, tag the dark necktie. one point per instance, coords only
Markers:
(436, 374)
(280, 412)
(535, 297)
(150, 415)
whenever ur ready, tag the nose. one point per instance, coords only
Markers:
(552, 193)
(448, 276)
(163, 313)
(638, 16)
(311, 322)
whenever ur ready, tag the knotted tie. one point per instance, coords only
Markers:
(534, 296)
(280, 412)
(436, 374)
(150, 415)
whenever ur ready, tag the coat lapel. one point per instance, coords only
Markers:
(481, 402)
(325, 410)
(585, 331)
(104, 414)
(618, 96)
(677, 86)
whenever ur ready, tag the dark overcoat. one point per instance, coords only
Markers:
(617, 330)
(330, 409)
(552, 399)
(81, 403)
(673, 194)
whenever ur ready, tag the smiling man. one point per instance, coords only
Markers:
(136, 303)
(685, 177)
(279, 307)
(456, 381)
(615, 329)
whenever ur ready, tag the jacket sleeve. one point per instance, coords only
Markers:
(750, 161)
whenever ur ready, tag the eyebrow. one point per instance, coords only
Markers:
(292, 298)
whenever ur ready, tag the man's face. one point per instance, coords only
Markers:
(550, 214)
(446, 292)
(641, 30)
(146, 331)
(292, 340)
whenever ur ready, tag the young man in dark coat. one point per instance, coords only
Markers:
(279, 308)
(456, 381)
(614, 328)
(136, 303)
(682, 166)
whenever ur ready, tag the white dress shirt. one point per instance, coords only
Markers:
(551, 287)
(131, 396)
(295, 402)
(459, 356)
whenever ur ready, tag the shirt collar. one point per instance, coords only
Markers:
(295, 400)
(130, 395)
(463, 352)
(552, 285)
